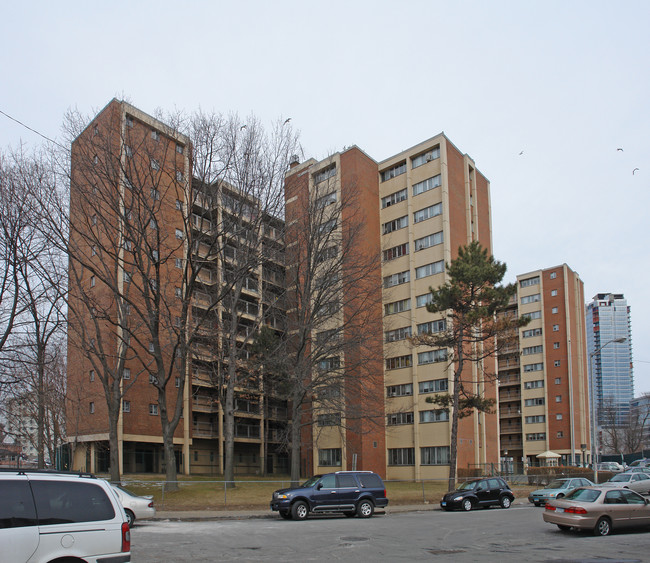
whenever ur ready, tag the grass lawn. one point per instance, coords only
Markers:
(253, 493)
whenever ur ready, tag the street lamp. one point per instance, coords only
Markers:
(594, 422)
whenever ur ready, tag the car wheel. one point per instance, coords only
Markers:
(286, 514)
(563, 527)
(505, 502)
(467, 505)
(350, 514)
(603, 527)
(365, 509)
(300, 510)
(560, 495)
(130, 518)
(538, 504)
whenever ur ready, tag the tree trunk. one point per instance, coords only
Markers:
(114, 448)
(229, 432)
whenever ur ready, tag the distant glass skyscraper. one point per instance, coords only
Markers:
(610, 363)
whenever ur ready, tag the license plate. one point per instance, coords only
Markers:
(559, 510)
(443, 503)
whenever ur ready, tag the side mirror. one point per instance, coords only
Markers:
(319, 486)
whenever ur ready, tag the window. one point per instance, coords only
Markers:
(155, 255)
(179, 205)
(327, 227)
(92, 281)
(129, 121)
(532, 350)
(430, 269)
(395, 225)
(432, 357)
(428, 241)
(177, 382)
(425, 157)
(325, 174)
(155, 135)
(532, 332)
(537, 384)
(556, 363)
(95, 130)
(93, 250)
(327, 199)
(396, 252)
(556, 328)
(558, 416)
(397, 279)
(432, 327)
(155, 165)
(155, 194)
(152, 348)
(423, 300)
(436, 455)
(534, 315)
(536, 437)
(401, 456)
(553, 275)
(534, 367)
(397, 307)
(535, 419)
(398, 334)
(560, 434)
(558, 398)
(126, 373)
(179, 149)
(529, 281)
(153, 409)
(396, 170)
(556, 345)
(153, 224)
(427, 185)
(178, 292)
(399, 362)
(93, 219)
(329, 457)
(179, 176)
(440, 415)
(327, 253)
(92, 407)
(329, 419)
(179, 263)
(427, 213)
(325, 336)
(554, 310)
(330, 364)
(558, 380)
(530, 299)
(536, 402)
(394, 198)
(433, 386)
(398, 418)
(92, 375)
(126, 406)
(553, 292)
(179, 234)
(404, 390)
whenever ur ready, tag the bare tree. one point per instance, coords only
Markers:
(333, 360)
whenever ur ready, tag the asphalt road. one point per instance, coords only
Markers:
(517, 534)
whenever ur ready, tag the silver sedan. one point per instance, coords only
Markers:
(639, 482)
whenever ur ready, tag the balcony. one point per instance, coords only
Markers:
(509, 395)
(205, 430)
(201, 403)
(278, 413)
(509, 413)
(247, 431)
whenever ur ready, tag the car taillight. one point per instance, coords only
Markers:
(126, 537)
(150, 505)
(576, 510)
(549, 507)
(384, 493)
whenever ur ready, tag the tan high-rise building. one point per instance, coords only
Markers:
(543, 381)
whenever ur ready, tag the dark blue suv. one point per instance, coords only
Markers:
(349, 492)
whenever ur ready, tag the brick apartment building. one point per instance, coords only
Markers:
(543, 378)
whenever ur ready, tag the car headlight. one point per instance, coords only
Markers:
(458, 498)
(284, 496)
(552, 495)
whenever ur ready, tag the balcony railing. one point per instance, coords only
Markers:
(247, 431)
(205, 430)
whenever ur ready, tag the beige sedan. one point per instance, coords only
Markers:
(639, 482)
(601, 509)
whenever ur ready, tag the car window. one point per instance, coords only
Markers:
(371, 481)
(311, 481)
(614, 497)
(632, 498)
(66, 502)
(328, 482)
(642, 476)
(583, 495)
(347, 481)
(17, 505)
(556, 484)
(468, 485)
(494, 484)
(621, 478)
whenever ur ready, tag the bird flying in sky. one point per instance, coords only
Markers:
(634, 171)
(619, 149)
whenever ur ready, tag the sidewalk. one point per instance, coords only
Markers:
(198, 515)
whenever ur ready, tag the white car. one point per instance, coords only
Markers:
(135, 506)
(48, 516)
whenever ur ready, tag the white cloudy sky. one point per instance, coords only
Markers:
(566, 82)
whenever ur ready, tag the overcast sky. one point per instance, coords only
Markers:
(567, 83)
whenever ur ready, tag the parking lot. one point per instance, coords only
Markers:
(516, 534)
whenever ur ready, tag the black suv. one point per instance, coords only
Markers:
(479, 492)
(349, 492)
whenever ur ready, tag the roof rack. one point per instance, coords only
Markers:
(337, 472)
(24, 471)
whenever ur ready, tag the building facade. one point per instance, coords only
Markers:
(611, 369)
(543, 383)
